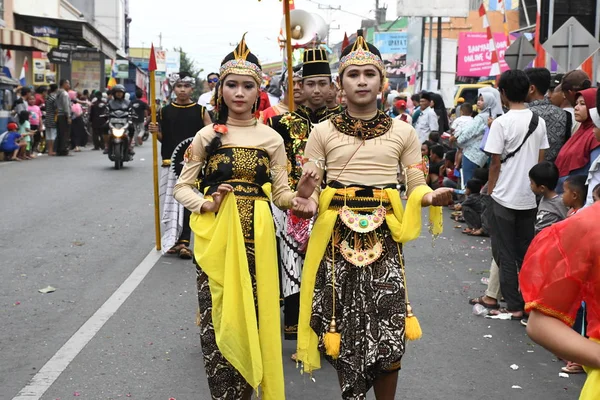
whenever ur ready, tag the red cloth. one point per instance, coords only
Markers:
(264, 103)
(561, 270)
(576, 152)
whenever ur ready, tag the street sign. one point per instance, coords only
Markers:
(56, 56)
(520, 53)
(571, 45)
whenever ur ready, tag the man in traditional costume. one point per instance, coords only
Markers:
(353, 306)
(241, 167)
(282, 106)
(295, 128)
(178, 122)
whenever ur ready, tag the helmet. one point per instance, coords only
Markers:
(118, 88)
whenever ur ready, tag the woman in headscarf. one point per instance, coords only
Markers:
(582, 148)
(239, 165)
(469, 138)
(440, 109)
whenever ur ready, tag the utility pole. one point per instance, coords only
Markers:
(329, 10)
(160, 40)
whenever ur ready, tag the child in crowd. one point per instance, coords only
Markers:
(575, 193)
(35, 120)
(436, 165)
(26, 132)
(596, 193)
(12, 142)
(447, 176)
(472, 207)
(466, 116)
(543, 178)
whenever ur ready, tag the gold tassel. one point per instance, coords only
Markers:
(332, 341)
(413, 328)
(198, 317)
(333, 338)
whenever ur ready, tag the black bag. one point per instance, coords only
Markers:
(533, 124)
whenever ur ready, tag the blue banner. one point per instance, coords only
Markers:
(391, 42)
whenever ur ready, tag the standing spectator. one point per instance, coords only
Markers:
(403, 114)
(78, 133)
(427, 121)
(140, 113)
(35, 120)
(50, 121)
(98, 118)
(63, 118)
(593, 179)
(573, 82)
(517, 140)
(416, 102)
(40, 95)
(543, 179)
(205, 99)
(556, 118)
(437, 103)
(576, 156)
(22, 100)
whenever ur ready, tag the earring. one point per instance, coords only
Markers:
(255, 106)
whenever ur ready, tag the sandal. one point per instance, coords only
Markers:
(573, 368)
(503, 310)
(467, 231)
(478, 232)
(479, 300)
(175, 249)
(185, 253)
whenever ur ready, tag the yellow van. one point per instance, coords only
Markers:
(469, 91)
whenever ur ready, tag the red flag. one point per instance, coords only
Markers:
(152, 62)
(292, 5)
(345, 42)
(540, 59)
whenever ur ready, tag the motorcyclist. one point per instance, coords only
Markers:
(119, 103)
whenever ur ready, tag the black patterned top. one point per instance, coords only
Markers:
(295, 128)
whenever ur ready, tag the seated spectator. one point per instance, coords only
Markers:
(447, 177)
(574, 193)
(436, 166)
(426, 149)
(544, 178)
(472, 207)
(576, 156)
(12, 142)
(466, 117)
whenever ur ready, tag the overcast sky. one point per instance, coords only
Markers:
(209, 29)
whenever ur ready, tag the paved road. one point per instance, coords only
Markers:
(81, 227)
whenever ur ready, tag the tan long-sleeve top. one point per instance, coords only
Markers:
(240, 134)
(374, 162)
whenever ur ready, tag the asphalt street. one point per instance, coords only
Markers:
(77, 225)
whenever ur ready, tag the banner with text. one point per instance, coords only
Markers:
(474, 55)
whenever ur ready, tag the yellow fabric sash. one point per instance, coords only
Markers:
(404, 227)
(591, 388)
(220, 251)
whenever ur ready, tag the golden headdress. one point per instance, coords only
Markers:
(361, 53)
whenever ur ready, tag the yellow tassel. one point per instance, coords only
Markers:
(413, 328)
(198, 317)
(332, 341)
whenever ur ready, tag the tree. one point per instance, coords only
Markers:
(187, 64)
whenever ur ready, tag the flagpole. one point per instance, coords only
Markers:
(288, 50)
(152, 69)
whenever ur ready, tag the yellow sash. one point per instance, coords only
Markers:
(404, 227)
(220, 251)
(591, 388)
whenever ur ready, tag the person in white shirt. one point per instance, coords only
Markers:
(516, 143)
(205, 98)
(428, 120)
(465, 111)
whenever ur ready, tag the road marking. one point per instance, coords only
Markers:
(63, 357)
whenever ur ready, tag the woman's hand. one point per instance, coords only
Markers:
(217, 197)
(439, 197)
(304, 208)
(307, 184)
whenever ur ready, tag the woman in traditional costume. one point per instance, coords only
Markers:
(560, 271)
(354, 307)
(240, 165)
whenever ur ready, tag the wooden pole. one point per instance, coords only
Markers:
(152, 69)
(288, 50)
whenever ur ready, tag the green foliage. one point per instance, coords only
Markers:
(188, 65)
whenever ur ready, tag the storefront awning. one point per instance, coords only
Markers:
(78, 33)
(19, 40)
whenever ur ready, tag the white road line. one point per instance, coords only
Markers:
(63, 357)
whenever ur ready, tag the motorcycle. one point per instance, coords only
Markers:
(118, 129)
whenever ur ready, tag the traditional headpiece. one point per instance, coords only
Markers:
(181, 77)
(315, 64)
(361, 53)
(241, 62)
(297, 74)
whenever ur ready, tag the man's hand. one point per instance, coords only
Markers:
(153, 128)
(304, 208)
(439, 197)
(217, 197)
(452, 139)
(307, 184)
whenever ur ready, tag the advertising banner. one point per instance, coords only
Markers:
(44, 73)
(474, 55)
(85, 75)
(173, 62)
